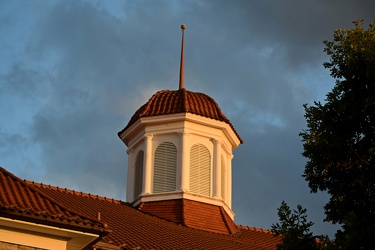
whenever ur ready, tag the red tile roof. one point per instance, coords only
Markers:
(130, 228)
(180, 101)
(18, 199)
(192, 214)
(208, 217)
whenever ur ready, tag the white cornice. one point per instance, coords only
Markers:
(148, 121)
(184, 195)
(42, 236)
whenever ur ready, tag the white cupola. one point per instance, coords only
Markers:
(179, 145)
(180, 154)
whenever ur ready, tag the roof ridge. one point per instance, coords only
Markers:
(72, 191)
(227, 222)
(256, 229)
(53, 200)
(179, 224)
(181, 101)
(208, 232)
(49, 198)
(185, 105)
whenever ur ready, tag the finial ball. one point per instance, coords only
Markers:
(183, 26)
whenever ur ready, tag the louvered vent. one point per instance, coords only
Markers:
(200, 170)
(165, 165)
(138, 174)
(223, 177)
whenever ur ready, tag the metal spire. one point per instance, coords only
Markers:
(181, 85)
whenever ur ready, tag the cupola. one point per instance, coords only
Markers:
(180, 159)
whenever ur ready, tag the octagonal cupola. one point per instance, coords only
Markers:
(179, 151)
(179, 142)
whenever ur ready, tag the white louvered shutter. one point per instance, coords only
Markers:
(165, 166)
(223, 178)
(138, 174)
(200, 170)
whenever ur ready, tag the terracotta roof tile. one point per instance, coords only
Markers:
(180, 101)
(17, 198)
(171, 210)
(207, 217)
(130, 228)
(258, 237)
(192, 214)
(134, 228)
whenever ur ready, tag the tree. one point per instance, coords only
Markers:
(294, 229)
(339, 141)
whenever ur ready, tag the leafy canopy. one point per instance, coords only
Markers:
(339, 141)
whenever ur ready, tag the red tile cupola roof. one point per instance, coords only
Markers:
(167, 102)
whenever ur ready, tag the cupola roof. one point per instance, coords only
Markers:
(167, 102)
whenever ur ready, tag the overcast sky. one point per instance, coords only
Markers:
(72, 73)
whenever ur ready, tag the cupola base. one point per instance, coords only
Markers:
(192, 214)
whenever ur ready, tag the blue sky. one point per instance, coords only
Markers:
(72, 73)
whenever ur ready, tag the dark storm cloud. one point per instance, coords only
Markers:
(84, 70)
(74, 129)
(295, 26)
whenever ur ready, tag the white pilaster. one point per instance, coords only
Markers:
(217, 169)
(229, 186)
(147, 170)
(130, 177)
(184, 161)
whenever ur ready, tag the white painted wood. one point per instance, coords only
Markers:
(217, 168)
(223, 177)
(200, 170)
(138, 174)
(184, 130)
(147, 171)
(43, 236)
(185, 161)
(165, 168)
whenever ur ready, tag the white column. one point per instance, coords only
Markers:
(184, 162)
(147, 165)
(229, 186)
(130, 176)
(217, 169)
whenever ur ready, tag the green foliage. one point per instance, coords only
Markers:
(293, 228)
(339, 141)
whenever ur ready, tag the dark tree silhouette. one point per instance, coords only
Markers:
(339, 141)
(294, 229)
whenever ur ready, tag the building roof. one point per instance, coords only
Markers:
(129, 227)
(193, 214)
(180, 101)
(19, 199)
